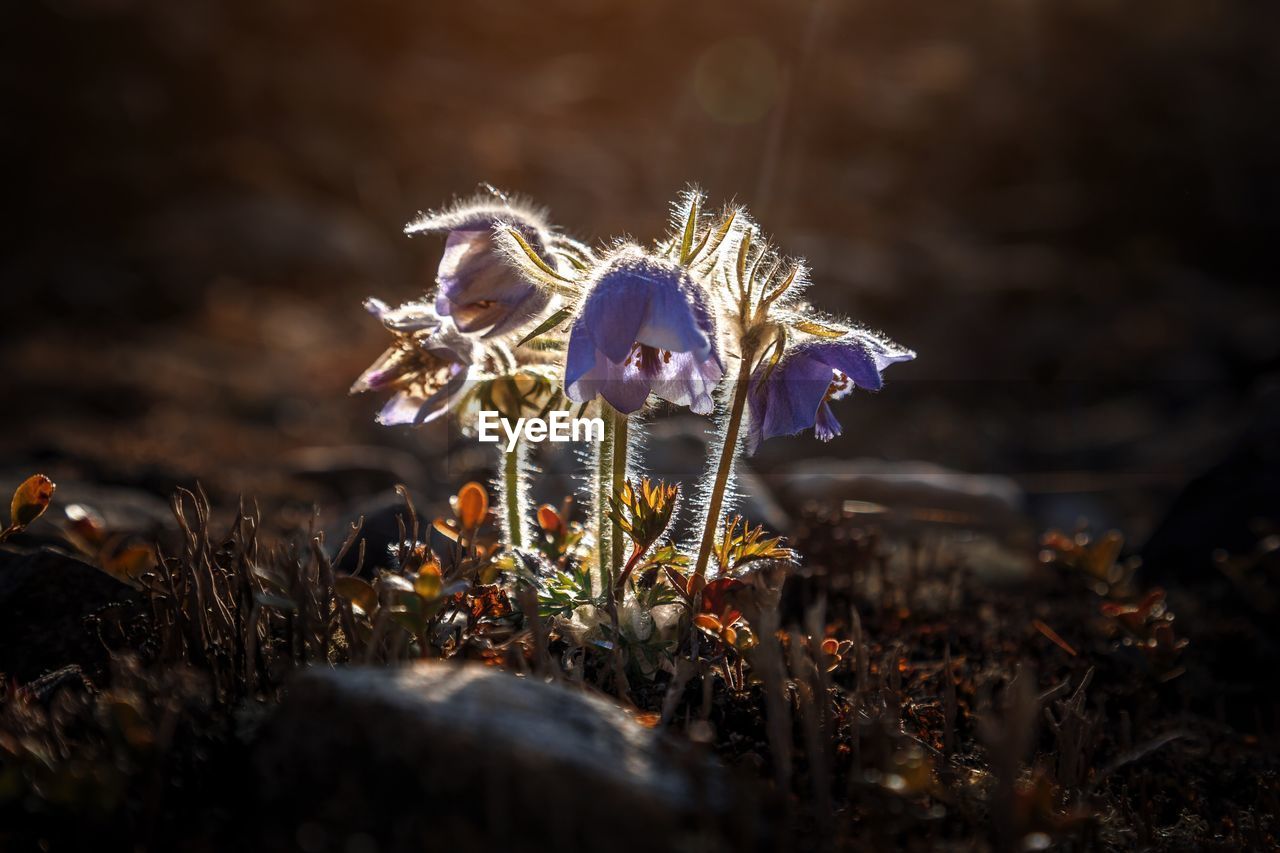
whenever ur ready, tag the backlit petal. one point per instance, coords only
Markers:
(685, 381)
(825, 425)
(615, 310)
(622, 385)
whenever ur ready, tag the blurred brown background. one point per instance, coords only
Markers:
(1067, 208)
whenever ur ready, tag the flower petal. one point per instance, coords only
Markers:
(825, 425)
(480, 290)
(677, 319)
(850, 356)
(382, 372)
(788, 400)
(520, 312)
(402, 408)
(643, 300)
(614, 312)
(441, 401)
(622, 385)
(685, 381)
(886, 352)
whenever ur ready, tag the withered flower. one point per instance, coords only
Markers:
(426, 365)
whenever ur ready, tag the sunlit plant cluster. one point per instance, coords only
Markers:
(526, 321)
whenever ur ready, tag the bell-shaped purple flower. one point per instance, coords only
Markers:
(644, 327)
(479, 290)
(796, 394)
(426, 366)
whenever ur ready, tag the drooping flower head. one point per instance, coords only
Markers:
(483, 294)
(796, 393)
(426, 366)
(644, 327)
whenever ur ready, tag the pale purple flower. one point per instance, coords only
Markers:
(644, 327)
(795, 395)
(426, 366)
(483, 294)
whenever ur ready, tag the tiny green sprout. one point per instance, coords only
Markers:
(643, 510)
(648, 508)
(737, 548)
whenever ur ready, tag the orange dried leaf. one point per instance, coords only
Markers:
(708, 623)
(473, 505)
(445, 529)
(549, 520)
(649, 720)
(357, 591)
(30, 500)
(429, 584)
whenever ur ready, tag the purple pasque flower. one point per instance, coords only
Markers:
(483, 294)
(796, 394)
(426, 366)
(644, 327)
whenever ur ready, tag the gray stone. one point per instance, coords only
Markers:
(46, 599)
(913, 494)
(469, 757)
(974, 520)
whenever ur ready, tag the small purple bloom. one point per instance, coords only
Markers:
(482, 293)
(796, 394)
(426, 366)
(644, 327)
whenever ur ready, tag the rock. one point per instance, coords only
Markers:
(466, 757)
(1228, 507)
(46, 597)
(911, 494)
(974, 520)
(123, 510)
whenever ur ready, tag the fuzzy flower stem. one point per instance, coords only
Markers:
(514, 468)
(613, 473)
(727, 455)
(619, 479)
(604, 482)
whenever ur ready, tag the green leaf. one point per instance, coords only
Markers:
(534, 257)
(690, 226)
(547, 325)
(819, 330)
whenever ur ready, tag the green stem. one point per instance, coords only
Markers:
(634, 560)
(513, 494)
(604, 477)
(617, 434)
(618, 481)
(727, 454)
